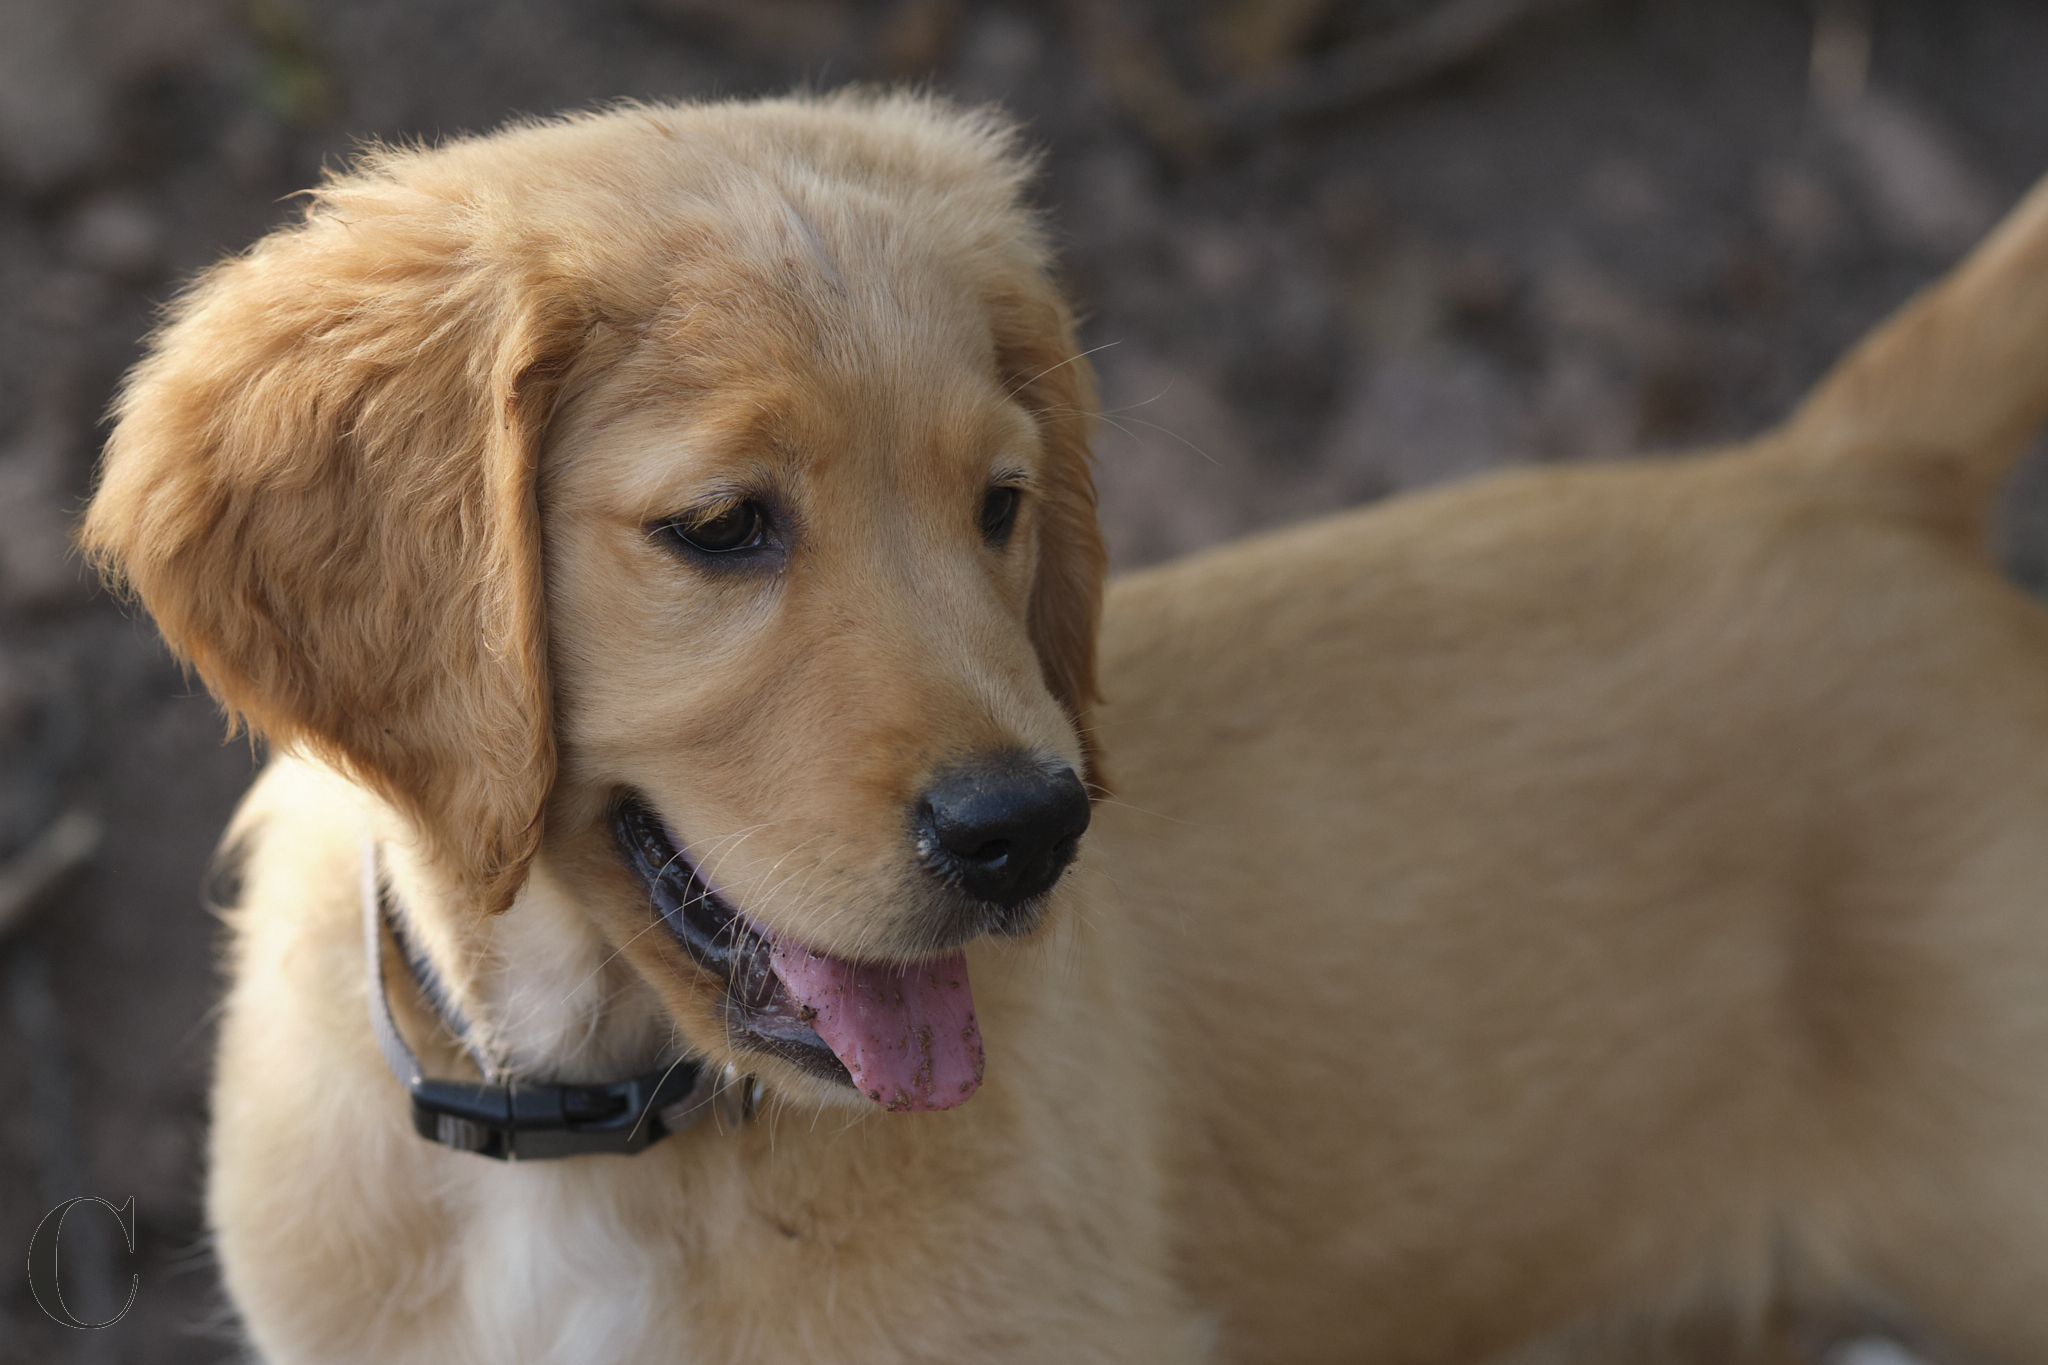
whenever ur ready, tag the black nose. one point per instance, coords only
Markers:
(1002, 829)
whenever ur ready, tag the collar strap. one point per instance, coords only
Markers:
(523, 1120)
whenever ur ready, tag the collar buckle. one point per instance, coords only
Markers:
(533, 1122)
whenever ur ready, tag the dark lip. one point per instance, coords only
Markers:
(759, 1012)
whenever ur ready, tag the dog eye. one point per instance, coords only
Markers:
(740, 526)
(998, 514)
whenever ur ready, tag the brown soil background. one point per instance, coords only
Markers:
(1330, 250)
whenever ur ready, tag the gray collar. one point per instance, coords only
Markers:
(527, 1120)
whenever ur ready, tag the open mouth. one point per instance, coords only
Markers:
(903, 1034)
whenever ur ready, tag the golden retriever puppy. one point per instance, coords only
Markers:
(660, 544)
(666, 536)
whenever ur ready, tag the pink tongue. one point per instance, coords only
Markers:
(906, 1034)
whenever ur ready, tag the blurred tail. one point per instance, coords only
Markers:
(1945, 396)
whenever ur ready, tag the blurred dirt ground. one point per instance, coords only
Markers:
(1328, 250)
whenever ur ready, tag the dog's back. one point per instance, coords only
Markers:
(1616, 888)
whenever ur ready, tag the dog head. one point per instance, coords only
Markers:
(699, 495)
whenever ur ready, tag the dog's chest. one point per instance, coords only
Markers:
(552, 1273)
(675, 1255)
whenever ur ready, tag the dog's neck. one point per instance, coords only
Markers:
(546, 996)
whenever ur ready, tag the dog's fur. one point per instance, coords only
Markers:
(1577, 899)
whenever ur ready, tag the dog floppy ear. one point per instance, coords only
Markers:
(322, 485)
(1042, 365)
